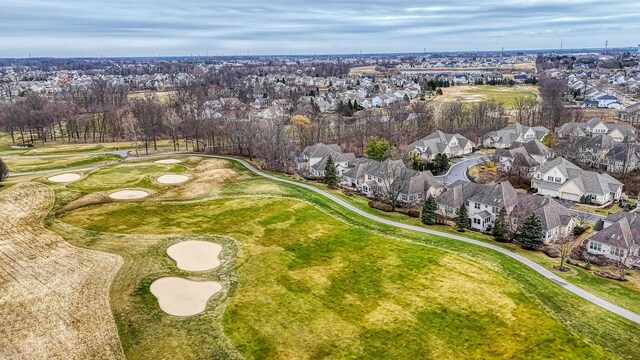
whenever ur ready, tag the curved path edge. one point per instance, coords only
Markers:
(629, 315)
(531, 264)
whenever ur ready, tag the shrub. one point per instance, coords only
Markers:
(414, 213)
(380, 206)
(579, 230)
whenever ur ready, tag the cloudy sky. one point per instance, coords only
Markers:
(68, 28)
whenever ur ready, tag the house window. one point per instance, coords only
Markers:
(558, 180)
(595, 246)
(476, 221)
(477, 206)
(495, 210)
(550, 178)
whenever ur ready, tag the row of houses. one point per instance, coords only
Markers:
(485, 202)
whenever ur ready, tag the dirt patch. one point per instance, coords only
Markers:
(183, 297)
(195, 255)
(54, 302)
(208, 175)
(172, 179)
(168, 161)
(129, 194)
(65, 178)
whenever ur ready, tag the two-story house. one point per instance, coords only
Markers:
(513, 133)
(313, 159)
(452, 145)
(563, 179)
(617, 238)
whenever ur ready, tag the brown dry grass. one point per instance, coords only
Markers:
(206, 176)
(54, 297)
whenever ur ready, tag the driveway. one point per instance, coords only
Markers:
(458, 171)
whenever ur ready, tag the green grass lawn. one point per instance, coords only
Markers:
(594, 210)
(506, 95)
(625, 294)
(315, 280)
(125, 175)
(21, 164)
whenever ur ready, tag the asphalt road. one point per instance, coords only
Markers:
(462, 165)
(458, 171)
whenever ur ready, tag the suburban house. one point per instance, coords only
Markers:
(484, 203)
(593, 150)
(563, 179)
(618, 132)
(452, 145)
(615, 236)
(456, 194)
(313, 159)
(630, 114)
(506, 137)
(530, 156)
(623, 158)
(556, 220)
(373, 177)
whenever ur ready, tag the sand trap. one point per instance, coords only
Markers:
(168, 161)
(128, 194)
(182, 297)
(195, 255)
(65, 178)
(172, 179)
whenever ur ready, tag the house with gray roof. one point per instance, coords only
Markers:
(373, 177)
(556, 220)
(619, 235)
(485, 206)
(530, 156)
(313, 159)
(618, 132)
(516, 132)
(438, 142)
(562, 179)
(456, 194)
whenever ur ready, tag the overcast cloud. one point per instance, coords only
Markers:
(220, 27)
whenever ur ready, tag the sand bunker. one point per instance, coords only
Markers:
(65, 178)
(182, 297)
(195, 255)
(168, 161)
(172, 179)
(128, 194)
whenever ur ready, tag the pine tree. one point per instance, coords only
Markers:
(499, 230)
(443, 163)
(462, 218)
(330, 177)
(530, 233)
(429, 211)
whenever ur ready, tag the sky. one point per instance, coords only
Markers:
(86, 28)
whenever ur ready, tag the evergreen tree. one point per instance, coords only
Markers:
(530, 233)
(429, 211)
(416, 162)
(462, 218)
(330, 173)
(443, 163)
(499, 230)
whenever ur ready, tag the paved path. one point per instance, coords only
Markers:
(531, 264)
(536, 267)
(458, 171)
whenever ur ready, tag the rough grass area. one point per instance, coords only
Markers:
(317, 281)
(145, 330)
(506, 95)
(625, 294)
(54, 301)
(125, 175)
(22, 164)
